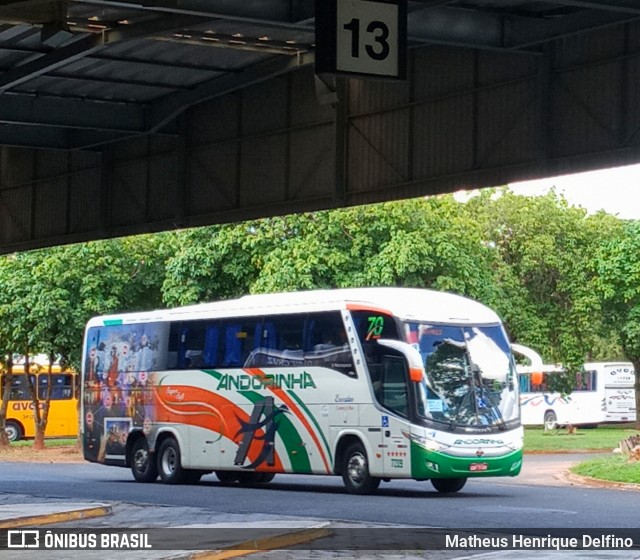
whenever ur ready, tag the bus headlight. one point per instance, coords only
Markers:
(431, 445)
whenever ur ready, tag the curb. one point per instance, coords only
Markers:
(58, 517)
(274, 542)
(599, 483)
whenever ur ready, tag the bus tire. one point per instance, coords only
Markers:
(143, 464)
(227, 477)
(448, 485)
(266, 477)
(193, 476)
(550, 421)
(252, 478)
(13, 430)
(169, 463)
(355, 471)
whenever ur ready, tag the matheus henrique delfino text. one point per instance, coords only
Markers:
(519, 541)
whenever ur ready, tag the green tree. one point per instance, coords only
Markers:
(17, 328)
(47, 296)
(421, 243)
(618, 284)
(545, 248)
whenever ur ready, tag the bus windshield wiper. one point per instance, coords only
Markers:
(478, 384)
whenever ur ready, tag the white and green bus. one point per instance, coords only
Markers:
(369, 384)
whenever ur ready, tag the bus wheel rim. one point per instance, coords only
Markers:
(169, 461)
(357, 468)
(141, 460)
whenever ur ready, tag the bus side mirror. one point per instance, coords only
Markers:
(411, 355)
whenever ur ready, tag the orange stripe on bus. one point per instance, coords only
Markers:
(371, 308)
(197, 409)
(295, 409)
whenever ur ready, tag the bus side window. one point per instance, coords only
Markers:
(239, 340)
(61, 386)
(211, 338)
(371, 325)
(20, 388)
(393, 391)
(43, 382)
(326, 342)
(232, 346)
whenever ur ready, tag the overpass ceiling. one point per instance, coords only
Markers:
(81, 74)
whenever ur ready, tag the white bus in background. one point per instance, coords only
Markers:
(618, 380)
(603, 392)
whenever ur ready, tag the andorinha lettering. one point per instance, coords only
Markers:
(479, 441)
(279, 380)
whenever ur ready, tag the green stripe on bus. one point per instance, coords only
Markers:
(213, 373)
(112, 322)
(313, 419)
(297, 453)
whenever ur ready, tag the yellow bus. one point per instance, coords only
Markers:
(63, 411)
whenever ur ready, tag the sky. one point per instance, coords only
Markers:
(616, 190)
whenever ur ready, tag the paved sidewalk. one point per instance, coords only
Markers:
(222, 535)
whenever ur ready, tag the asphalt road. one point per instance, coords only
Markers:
(538, 498)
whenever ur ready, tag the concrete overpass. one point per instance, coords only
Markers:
(122, 117)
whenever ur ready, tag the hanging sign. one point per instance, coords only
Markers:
(362, 37)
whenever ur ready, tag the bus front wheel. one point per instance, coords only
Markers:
(13, 430)
(169, 463)
(143, 466)
(355, 471)
(448, 485)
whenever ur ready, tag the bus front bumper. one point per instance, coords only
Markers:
(427, 464)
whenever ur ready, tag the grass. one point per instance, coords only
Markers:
(609, 467)
(57, 442)
(614, 468)
(603, 438)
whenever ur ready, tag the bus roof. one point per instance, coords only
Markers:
(605, 365)
(405, 303)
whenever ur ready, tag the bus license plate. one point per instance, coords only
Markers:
(478, 466)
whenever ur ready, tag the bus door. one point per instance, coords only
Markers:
(392, 393)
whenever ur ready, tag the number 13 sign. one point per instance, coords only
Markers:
(366, 37)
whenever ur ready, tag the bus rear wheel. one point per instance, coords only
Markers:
(355, 471)
(448, 485)
(227, 477)
(143, 465)
(550, 421)
(13, 430)
(250, 478)
(169, 463)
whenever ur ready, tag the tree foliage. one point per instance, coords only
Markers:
(47, 296)
(566, 283)
(545, 249)
(617, 270)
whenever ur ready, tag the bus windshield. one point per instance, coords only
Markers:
(470, 376)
